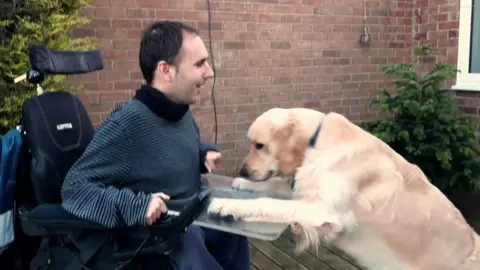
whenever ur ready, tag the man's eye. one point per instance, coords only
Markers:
(200, 63)
(259, 146)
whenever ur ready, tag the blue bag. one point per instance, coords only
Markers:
(10, 147)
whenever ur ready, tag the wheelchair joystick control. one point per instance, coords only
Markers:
(34, 76)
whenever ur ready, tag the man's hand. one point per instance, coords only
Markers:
(212, 160)
(156, 207)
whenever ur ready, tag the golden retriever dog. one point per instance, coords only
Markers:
(351, 190)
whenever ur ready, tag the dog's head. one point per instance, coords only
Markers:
(278, 139)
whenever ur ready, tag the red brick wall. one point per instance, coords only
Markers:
(267, 53)
(437, 22)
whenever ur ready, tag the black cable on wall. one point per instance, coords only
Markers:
(213, 67)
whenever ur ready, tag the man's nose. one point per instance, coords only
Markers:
(244, 171)
(209, 72)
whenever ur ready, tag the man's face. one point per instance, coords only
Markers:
(192, 70)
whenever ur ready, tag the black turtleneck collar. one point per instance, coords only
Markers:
(158, 103)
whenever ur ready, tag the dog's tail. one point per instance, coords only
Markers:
(307, 236)
(473, 260)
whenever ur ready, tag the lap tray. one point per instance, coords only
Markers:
(260, 230)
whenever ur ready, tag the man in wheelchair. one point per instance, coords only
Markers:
(150, 145)
(145, 158)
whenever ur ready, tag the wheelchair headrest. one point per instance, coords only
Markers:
(64, 62)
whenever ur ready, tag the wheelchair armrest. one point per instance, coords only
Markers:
(64, 62)
(48, 219)
(52, 219)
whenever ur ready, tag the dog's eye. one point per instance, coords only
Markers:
(259, 146)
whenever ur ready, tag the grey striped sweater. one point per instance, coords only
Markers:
(134, 153)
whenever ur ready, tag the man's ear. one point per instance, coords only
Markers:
(165, 70)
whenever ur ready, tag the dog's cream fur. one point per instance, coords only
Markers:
(352, 191)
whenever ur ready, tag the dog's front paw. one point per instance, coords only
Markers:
(242, 184)
(223, 209)
(218, 207)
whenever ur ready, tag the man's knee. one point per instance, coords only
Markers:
(220, 237)
(227, 247)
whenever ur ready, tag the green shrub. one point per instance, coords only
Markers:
(427, 127)
(25, 22)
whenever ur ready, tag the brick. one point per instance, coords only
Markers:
(214, 26)
(447, 25)
(281, 80)
(234, 7)
(195, 15)
(291, 18)
(126, 85)
(265, 17)
(152, 4)
(140, 13)
(115, 96)
(280, 45)
(246, 36)
(303, 9)
(341, 61)
(396, 45)
(126, 23)
(234, 45)
(168, 14)
(122, 3)
(109, 12)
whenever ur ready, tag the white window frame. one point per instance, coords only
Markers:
(465, 81)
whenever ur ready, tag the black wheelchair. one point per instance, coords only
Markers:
(55, 130)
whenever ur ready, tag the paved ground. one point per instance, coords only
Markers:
(279, 254)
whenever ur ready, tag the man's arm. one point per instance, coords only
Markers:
(204, 148)
(89, 190)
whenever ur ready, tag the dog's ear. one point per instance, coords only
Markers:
(285, 132)
(291, 146)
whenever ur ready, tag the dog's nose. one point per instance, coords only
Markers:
(244, 172)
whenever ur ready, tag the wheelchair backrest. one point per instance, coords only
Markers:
(56, 130)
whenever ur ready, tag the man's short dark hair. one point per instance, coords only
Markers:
(162, 41)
